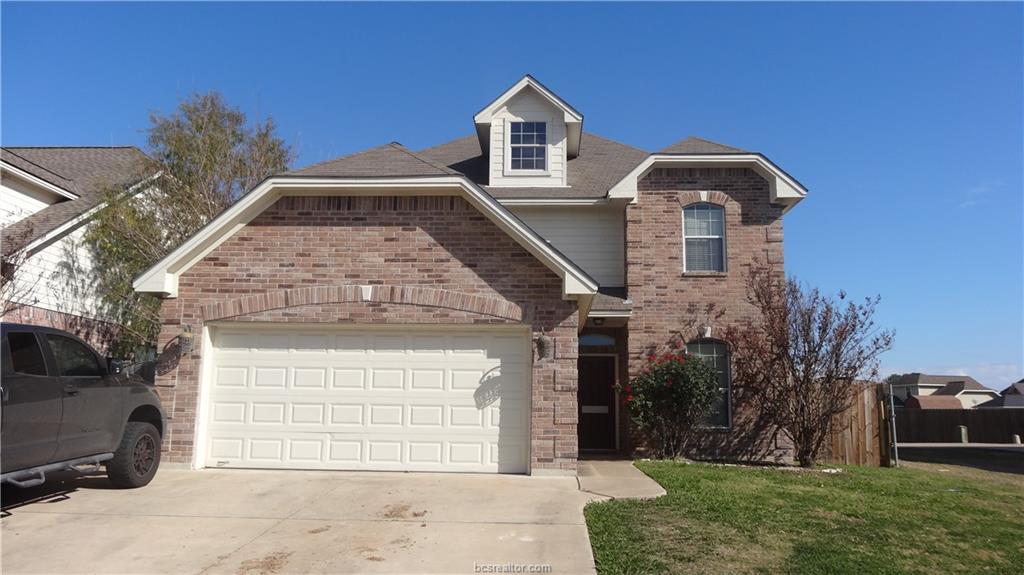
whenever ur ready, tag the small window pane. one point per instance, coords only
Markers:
(26, 355)
(73, 358)
(517, 127)
(596, 339)
(704, 255)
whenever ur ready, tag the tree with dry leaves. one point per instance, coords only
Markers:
(804, 355)
(208, 155)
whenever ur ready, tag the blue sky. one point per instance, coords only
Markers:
(904, 120)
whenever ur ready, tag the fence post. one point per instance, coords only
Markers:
(963, 433)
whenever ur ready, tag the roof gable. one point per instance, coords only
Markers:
(573, 118)
(84, 172)
(389, 160)
(695, 145)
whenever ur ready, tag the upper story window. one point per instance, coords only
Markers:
(704, 238)
(529, 146)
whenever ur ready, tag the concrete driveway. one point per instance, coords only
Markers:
(270, 522)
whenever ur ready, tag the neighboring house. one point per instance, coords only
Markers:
(1011, 397)
(965, 388)
(47, 197)
(932, 402)
(970, 393)
(467, 307)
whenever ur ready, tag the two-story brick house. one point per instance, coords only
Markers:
(467, 307)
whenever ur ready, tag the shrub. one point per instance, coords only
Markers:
(669, 398)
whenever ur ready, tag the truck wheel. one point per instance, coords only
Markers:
(136, 459)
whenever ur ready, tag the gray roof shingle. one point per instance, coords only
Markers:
(600, 165)
(389, 160)
(695, 145)
(85, 171)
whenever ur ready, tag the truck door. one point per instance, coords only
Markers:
(92, 402)
(31, 400)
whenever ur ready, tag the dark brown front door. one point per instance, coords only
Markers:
(597, 402)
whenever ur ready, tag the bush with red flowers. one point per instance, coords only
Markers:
(669, 398)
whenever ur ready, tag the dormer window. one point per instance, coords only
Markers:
(529, 146)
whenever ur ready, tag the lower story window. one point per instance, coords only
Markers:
(716, 354)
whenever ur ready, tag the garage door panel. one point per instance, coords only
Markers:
(430, 401)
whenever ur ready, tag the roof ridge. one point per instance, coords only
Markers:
(399, 146)
(337, 158)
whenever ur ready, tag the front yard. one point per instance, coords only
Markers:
(726, 519)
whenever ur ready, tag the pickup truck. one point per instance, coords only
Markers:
(64, 406)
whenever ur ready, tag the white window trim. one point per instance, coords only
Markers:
(508, 172)
(725, 251)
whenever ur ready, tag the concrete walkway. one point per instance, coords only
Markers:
(617, 479)
(283, 522)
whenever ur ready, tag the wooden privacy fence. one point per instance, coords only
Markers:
(943, 425)
(860, 435)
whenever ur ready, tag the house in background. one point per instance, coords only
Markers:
(467, 307)
(1011, 397)
(964, 388)
(47, 197)
(932, 402)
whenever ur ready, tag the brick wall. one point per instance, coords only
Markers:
(293, 261)
(668, 302)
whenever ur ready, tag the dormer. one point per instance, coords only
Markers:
(528, 135)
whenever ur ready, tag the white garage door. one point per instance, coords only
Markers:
(383, 399)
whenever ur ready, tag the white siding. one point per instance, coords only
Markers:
(591, 236)
(58, 277)
(528, 106)
(19, 199)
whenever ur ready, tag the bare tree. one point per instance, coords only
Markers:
(16, 291)
(804, 355)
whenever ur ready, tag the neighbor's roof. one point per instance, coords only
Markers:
(1007, 400)
(958, 387)
(600, 165)
(1014, 389)
(933, 402)
(935, 380)
(390, 160)
(695, 145)
(83, 171)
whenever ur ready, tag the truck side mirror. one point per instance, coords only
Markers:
(115, 366)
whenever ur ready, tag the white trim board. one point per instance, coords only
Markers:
(162, 277)
(53, 188)
(784, 189)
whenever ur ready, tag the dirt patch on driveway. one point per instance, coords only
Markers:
(267, 565)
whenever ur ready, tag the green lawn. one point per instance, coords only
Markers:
(724, 519)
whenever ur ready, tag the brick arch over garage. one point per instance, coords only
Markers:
(402, 295)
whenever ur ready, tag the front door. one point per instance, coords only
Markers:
(597, 402)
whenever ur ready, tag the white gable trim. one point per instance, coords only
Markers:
(162, 278)
(573, 119)
(7, 167)
(783, 188)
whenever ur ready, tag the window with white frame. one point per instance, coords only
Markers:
(529, 146)
(704, 238)
(716, 354)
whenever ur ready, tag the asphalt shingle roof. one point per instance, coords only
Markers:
(695, 145)
(389, 160)
(85, 171)
(600, 165)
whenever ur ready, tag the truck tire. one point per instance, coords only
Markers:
(137, 458)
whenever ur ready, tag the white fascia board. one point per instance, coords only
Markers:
(81, 219)
(162, 277)
(573, 119)
(484, 116)
(540, 202)
(39, 181)
(784, 189)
